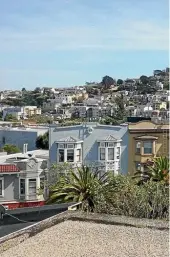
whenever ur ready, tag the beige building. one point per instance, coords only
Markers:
(146, 141)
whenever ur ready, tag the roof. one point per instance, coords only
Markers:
(6, 168)
(68, 139)
(109, 138)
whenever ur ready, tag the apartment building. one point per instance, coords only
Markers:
(100, 146)
(21, 177)
(147, 140)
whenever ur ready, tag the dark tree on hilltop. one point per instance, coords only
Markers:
(107, 81)
(144, 79)
(42, 141)
(119, 82)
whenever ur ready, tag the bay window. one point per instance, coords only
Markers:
(109, 151)
(69, 152)
(110, 154)
(102, 154)
(148, 147)
(70, 155)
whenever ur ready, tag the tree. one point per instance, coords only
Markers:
(107, 81)
(157, 170)
(77, 186)
(144, 79)
(9, 117)
(23, 89)
(42, 141)
(166, 86)
(119, 82)
(10, 149)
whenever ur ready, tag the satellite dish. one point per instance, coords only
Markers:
(2, 211)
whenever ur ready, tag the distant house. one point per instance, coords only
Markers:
(20, 178)
(102, 146)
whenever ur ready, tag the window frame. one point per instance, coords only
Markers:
(61, 149)
(20, 186)
(108, 148)
(78, 155)
(150, 153)
(2, 181)
(137, 163)
(30, 194)
(73, 155)
(102, 148)
(138, 142)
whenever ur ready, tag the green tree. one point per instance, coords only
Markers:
(10, 149)
(144, 79)
(119, 82)
(9, 117)
(81, 185)
(157, 170)
(42, 141)
(107, 82)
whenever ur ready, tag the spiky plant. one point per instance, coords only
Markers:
(157, 170)
(80, 185)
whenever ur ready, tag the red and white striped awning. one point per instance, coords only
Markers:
(8, 168)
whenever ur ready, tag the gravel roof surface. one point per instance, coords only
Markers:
(81, 239)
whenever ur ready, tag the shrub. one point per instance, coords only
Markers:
(123, 196)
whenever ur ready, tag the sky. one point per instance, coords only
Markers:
(60, 43)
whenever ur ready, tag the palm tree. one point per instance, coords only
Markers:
(157, 170)
(81, 185)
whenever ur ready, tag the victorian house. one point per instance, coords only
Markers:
(92, 144)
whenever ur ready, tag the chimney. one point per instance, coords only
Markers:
(26, 148)
(23, 151)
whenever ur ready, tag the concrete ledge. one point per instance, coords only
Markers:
(17, 237)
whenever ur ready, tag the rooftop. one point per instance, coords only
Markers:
(79, 238)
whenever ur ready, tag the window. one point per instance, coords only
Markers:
(102, 154)
(1, 187)
(61, 146)
(148, 147)
(102, 144)
(138, 146)
(118, 153)
(61, 155)
(137, 166)
(70, 146)
(78, 155)
(70, 155)
(110, 144)
(22, 186)
(110, 154)
(32, 186)
(42, 181)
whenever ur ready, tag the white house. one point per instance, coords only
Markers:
(92, 144)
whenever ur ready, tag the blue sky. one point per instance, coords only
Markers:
(68, 42)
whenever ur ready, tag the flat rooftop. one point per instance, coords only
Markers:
(86, 239)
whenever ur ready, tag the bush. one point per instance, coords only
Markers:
(123, 196)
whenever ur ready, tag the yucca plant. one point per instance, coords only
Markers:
(80, 185)
(157, 170)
